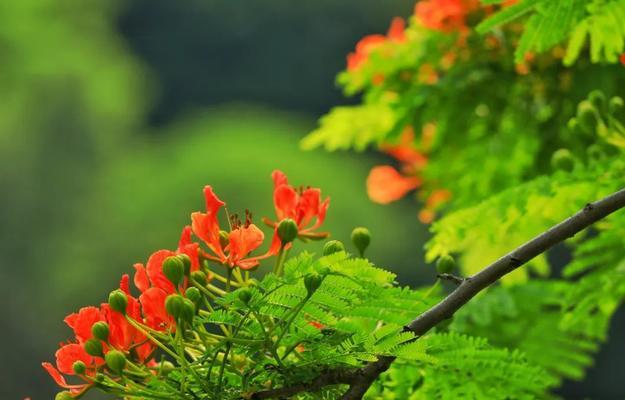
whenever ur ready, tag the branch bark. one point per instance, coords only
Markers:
(361, 379)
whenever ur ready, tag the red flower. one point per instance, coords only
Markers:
(82, 321)
(153, 272)
(445, 15)
(304, 206)
(369, 43)
(122, 336)
(622, 58)
(153, 305)
(385, 184)
(242, 239)
(60, 379)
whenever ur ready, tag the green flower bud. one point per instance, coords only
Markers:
(312, 282)
(115, 360)
(332, 246)
(445, 264)
(188, 310)
(93, 347)
(100, 330)
(361, 237)
(165, 367)
(616, 105)
(79, 367)
(287, 230)
(64, 395)
(186, 261)
(118, 301)
(598, 100)
(193, 294)
(587, 117)
(100, 377)
(173, 269)
(245, 295)
(224, 238)
(199, 277)
(595, 152)
(174, 303)
(562, 159)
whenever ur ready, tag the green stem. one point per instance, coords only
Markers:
(224, 279)
(216, 289)
(152, 338)
(228, 279)
(183, 360)
(228, 347)
(277, 268)
(272, 348)
(296, 311)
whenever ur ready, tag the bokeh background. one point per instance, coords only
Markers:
(114, 114)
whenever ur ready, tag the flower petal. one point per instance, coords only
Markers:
(285, 201)
(385, 184)
(154, 269)
(153, 305)
(141, 279)
(188, 247)
(67, 355)
(82, 322)
(242, 241)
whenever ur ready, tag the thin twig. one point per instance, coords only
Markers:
(362, 378)
(452, 278)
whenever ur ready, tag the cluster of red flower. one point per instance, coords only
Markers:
(440, 15)
(126, 329)
(386, 184)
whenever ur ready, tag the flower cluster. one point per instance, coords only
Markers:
(116, 345)
(387, 63)
(445, 15)
(369, 43)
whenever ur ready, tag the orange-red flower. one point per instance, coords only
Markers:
(304, 206)
(385, 184)
(243, 238)
(65, 358)
(122, 336)
(152, 273)
(366, 45)
(154, 285)
(622, 58)
(445, 15)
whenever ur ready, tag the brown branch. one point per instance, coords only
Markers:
(472, 285)
(361, 379)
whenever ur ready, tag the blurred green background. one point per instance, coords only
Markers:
(114, 114)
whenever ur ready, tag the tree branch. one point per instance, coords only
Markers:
(472, 285)
(361, 379)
